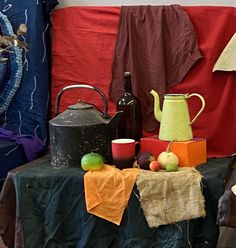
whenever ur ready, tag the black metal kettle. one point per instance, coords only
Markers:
(81, 129)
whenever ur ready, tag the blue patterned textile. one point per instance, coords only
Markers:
(11, 70)
(3, 69)
(28, 110)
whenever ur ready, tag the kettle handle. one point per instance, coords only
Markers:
(58, 98)
(202, 108)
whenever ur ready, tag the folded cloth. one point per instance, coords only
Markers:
(170, 197)
(32, 145)
(107, 191)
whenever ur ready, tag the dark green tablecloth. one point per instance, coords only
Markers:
(52, 212)
(11, 156)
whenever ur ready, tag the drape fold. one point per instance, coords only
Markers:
(158, 45)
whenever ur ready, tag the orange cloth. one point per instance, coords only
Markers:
(107, 191)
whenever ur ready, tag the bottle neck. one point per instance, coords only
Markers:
(127, 84)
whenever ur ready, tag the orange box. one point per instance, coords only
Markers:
(190, 153)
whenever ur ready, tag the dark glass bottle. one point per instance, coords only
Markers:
(130, 125)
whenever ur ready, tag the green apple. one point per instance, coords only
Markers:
(171, 167)
(92, 161)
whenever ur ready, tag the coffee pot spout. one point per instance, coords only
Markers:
(157, 110)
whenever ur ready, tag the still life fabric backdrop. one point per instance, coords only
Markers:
(83, 48)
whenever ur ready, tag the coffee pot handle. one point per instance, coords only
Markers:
(202, 108)
(81, 86)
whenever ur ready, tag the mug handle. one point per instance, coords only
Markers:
(202, 108)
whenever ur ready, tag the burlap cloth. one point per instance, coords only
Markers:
(170, 197)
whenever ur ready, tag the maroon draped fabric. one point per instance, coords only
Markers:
(158, 45)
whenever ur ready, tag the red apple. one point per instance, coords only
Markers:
(154, 166)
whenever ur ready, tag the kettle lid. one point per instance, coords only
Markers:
(80, 105)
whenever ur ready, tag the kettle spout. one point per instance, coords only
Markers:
(157, 110)
(113, 122)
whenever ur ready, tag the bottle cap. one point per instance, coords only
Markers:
(127, 74)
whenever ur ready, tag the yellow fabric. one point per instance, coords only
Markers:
(107, 191)
(227, 59)
(233, 189)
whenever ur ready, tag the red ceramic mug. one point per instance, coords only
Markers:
(123, 152)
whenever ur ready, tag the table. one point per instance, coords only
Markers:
(11, 156)
(45, 207)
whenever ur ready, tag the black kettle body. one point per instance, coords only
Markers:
(81, 129)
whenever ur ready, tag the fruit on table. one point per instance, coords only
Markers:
(171, 167)
(144, 159)
(154, 166)
(92, 161)
(167, 157)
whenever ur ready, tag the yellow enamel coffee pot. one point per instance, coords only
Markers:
(174, 118)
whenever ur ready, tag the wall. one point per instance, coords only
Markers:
(152, 2)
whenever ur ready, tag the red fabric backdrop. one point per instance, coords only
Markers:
(83, 45)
